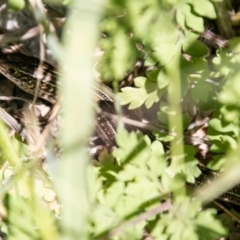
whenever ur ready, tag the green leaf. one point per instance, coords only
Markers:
(202, 90)
(162, 80)
(123, 55)
(192, 21)
(203, 8)
(180, 17)
(207, 225)
(222, 143)
(147, 92)
(223, 127)
(119, 50)
(195, 49)
(141, 15)
(102, 218)
(190, 168)
(163, 137)
(136, 150)
(143, 187)
(134, 232)
(224, 62)
(234, 45)
(114, 192)
(167, 44)
(162, 115)
(15, 5)
(157, 161)
(231, 89)
(217, 162)
(182, 214)
(230, 141)
(171, 183)
(152, 75)
(193, 67)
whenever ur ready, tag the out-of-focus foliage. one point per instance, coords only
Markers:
(15, 5)
(29, 203)
(132, 187)
(142, 174)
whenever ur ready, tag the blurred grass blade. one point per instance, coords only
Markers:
(6, 147)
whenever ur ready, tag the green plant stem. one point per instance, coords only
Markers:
(80, 35)
(175, 120)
